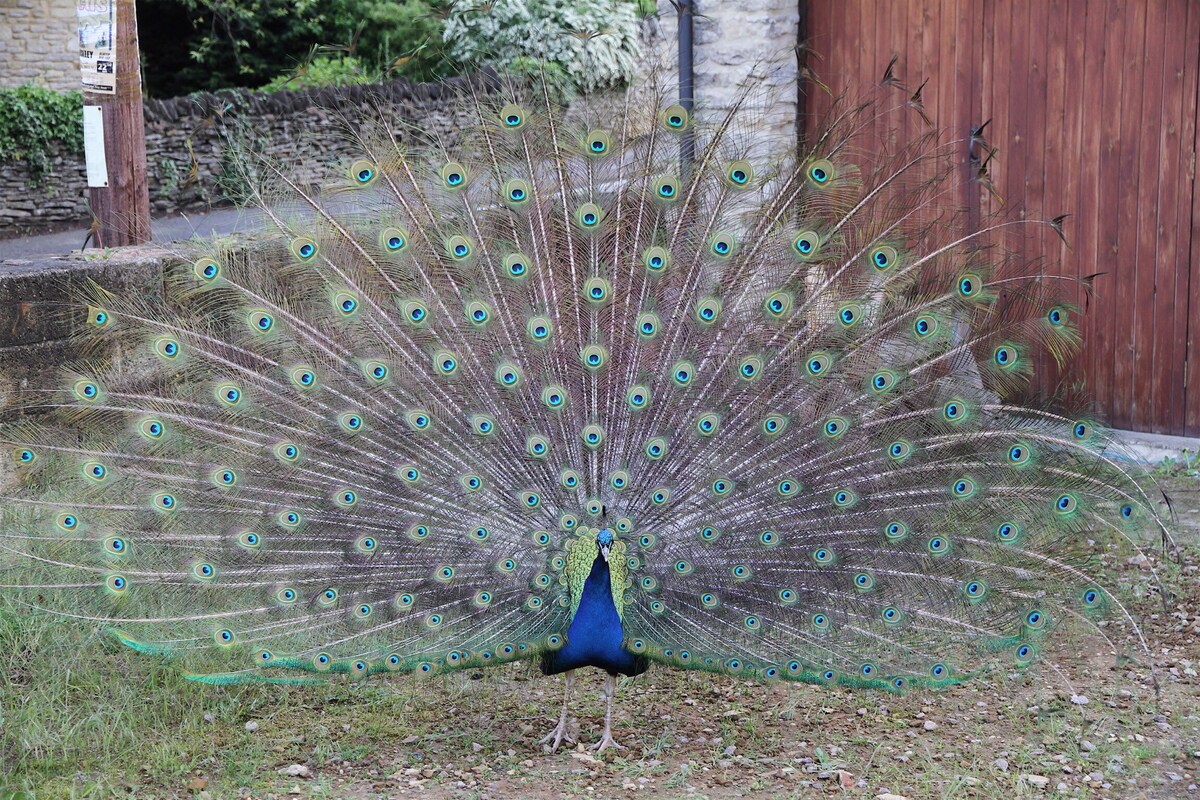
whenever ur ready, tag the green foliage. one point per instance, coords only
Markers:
(195, 45)
(594, 41)
(322, 71)
(33, 119)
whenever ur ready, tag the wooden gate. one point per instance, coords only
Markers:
(1093, 105)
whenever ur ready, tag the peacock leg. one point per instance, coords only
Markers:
(560, 730)
(610, 689)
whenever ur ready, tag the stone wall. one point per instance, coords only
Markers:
(40, 313)
(187, 138)
(39, 43)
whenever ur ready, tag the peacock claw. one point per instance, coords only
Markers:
(607, 741)
(557, 736)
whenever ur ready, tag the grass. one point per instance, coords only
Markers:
(83, 718)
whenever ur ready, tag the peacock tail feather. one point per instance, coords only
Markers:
(381, 437)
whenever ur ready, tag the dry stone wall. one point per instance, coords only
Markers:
(188, 156)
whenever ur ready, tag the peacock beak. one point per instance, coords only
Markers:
(604, 548)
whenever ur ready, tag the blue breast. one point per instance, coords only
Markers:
(594, 638)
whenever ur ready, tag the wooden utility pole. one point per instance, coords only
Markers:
(120, 199)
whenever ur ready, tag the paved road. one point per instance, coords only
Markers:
(166, 229)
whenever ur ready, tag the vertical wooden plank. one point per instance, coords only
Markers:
(1113, 184)
(1148, 411)
(1120, 345)
(997, 32)
(1073, 90)
(1035, 239)
(1087, 166)
(1191, 394)
(1169, 353)
(1059, 132)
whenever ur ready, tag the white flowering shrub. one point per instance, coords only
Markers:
(594, 42)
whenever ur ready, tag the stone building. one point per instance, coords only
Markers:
(38, 44)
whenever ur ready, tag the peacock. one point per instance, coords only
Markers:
(603, 384)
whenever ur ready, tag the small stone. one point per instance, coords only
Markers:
(476, 747)
(297, 771)
(252, 726)
(929, 725)
(890, 796)
(1001, 764)
(1087, 746)
(1037, 781)
(1080, 699)
(729, 751)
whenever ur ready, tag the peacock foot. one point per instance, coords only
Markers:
(557, 735)
(607, 741)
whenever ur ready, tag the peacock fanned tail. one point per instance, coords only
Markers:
(370, 440)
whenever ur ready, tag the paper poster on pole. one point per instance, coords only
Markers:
(93, 147)
(98, 45)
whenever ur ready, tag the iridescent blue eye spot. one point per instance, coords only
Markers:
(818, 174)
(460, 250)
(1126, 511)
(938, 670)
(210, 270)
(25, 456)
(454, 178)
(589, 218)
(1090, 597)
(348, 305)
(170, 348)
(306, 250)
(395, 242)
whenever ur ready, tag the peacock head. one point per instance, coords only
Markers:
(604, 539)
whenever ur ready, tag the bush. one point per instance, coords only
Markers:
(204, 45)
(33, 119)
(322, 71)
(595, 42)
